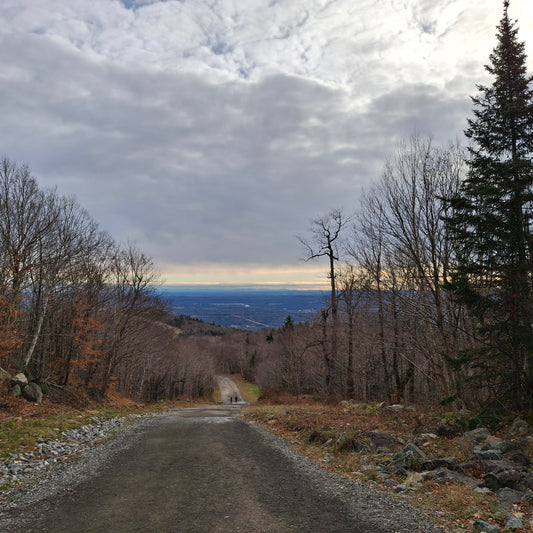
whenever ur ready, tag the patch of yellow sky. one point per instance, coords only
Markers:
(303, 276)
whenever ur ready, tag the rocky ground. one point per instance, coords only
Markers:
(470, 480)
(21, 466)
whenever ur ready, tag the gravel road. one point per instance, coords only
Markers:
(229, 392)
(201, 470)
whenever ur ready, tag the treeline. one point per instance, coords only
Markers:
(389, 329)
(432, 280)
(78, 311)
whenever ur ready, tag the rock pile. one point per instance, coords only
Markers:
(497, 465)
(20, 386)
(47, 452)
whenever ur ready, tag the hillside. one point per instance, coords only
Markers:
(194, 327)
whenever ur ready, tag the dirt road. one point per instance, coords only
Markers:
(229, 392)
(204, 470)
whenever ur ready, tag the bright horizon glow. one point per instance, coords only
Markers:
(305, 276)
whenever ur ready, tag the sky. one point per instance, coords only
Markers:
(211, 132)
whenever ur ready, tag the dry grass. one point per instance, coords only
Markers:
(23, 424)
(309, 426)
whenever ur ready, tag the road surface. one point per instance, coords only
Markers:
(205, 470)
(229, 392)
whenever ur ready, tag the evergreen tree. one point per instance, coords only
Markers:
(491, 221)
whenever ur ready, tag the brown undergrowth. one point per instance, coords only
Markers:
(313, 429)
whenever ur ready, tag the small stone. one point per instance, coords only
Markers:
(504, 478)
(477, 435)
(428, 437)
(451, 463)
(413, 478)
(481, 525)
(401, 488)
(487, 455)
(492, 442)
(396, 408)
(520, 428)
(360, 446)
(513, 523)
(445, 429)
(526, 483)
(508, 497)
(414, 451)
(518, 457)
(382, 441)
(342, 441)
(506, 446)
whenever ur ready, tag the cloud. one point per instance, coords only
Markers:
(212, 132)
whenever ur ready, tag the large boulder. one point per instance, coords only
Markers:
(20, 378)
(33, 393)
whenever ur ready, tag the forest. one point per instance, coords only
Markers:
(431, 282)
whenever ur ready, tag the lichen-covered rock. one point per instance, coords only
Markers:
(360, 446)
(446, 429)
(33, 393)
(518, 457)
(526, 483)
(487, 455)
(513, 523)
(519, 428)
(451, 463)
(503, 478)
(382, 441)
(411, 458)
(477, 435)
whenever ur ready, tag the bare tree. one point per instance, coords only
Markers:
(324, 242)
(402, 244)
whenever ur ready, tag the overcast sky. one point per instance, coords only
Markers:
(210, 132)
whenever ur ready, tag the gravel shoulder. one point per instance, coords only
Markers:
(197, 470)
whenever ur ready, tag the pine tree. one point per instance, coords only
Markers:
(491, 221)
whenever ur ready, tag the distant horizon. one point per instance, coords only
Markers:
(244, 286)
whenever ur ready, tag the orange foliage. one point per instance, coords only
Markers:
(9, 341)
(86, 329)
